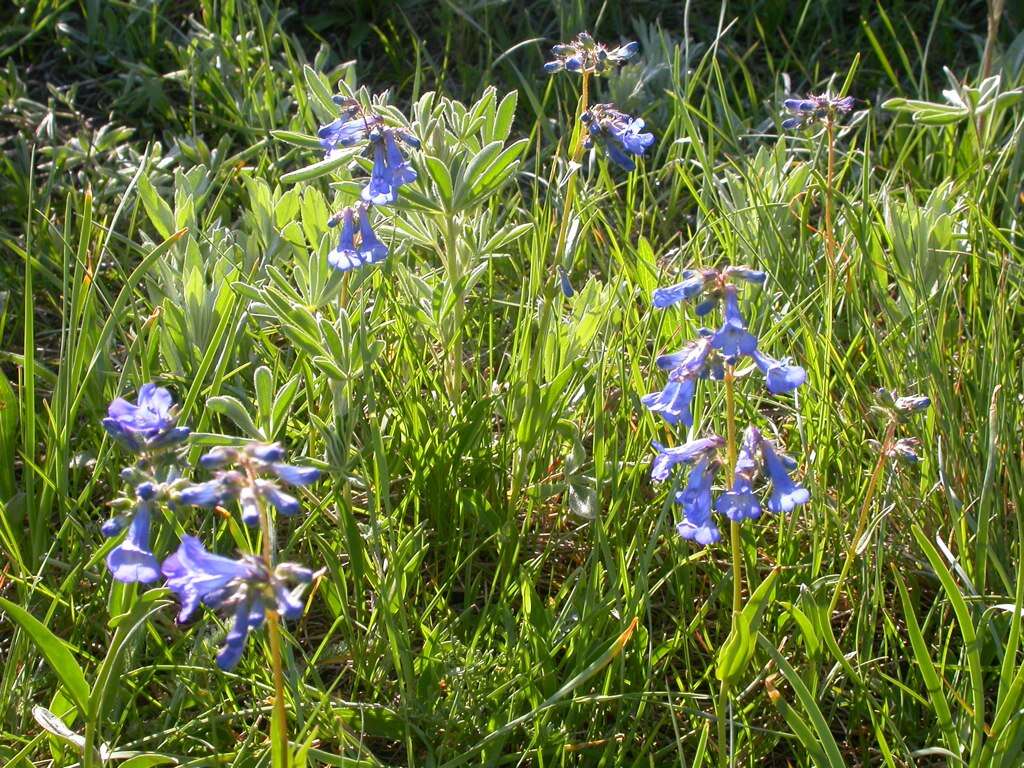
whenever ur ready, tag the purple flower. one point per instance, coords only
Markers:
(780, 377)
(622, 136)
(697, 524)
(685, 367)
(667, 458)
(348, 255)
(905, 449)
(732, 339)
(912, 403)
(390, 168)
(132, 560)
(585, 55)
(346, 131)
(741, 503)
(691, 286)
(815, 109)
(786, 494)
(148, 424)
(244, 586)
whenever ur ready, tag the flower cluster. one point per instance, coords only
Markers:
(149, 429)
(709, 357)
(250, 586)
(898, 411)
(584, 54)
(245, 587)
(622, 136)
(813, 109)
(390, 171)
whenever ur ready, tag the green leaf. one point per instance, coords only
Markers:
(738, 649)
(54, 650)
(297, 139)
(232, 408)
(316, 170)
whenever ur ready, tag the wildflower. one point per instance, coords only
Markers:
(243, 485)
(691, 286)
(584, 54)
(352, 126)
(149, 424)
(786, 494)
(370, 249)
(905, 449)
(390, 168)
(685, 367)
(733, 339)
(912, 403)
(741, 503)
(687, 453)
(622, 136)
(132, 560)
(815, 109)
(697, 524)
(245, 587)
(780, 377)
(563, 278)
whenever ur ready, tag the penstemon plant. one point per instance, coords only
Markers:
(714, 356)
(254, 589)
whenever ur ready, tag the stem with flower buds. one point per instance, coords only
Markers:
(274, 637)
(862, 520)
(735, 545)
(574, 157)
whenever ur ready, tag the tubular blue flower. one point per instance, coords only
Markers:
(667, 458)
(345, 256)
(912, 403)
(346, 132)
(585, 55)
(905, 449)
(132, 560)
(148, 424)
(390, 168)
(780, 377)
(815, 109)
(733, 339)
(685, 367)
(622, 136)
(284, 503)
(697, 524)
(212, 493)
(786, 494)
(755, 276)
(741, 503)
(295, 475)
(691, 286)
(566, 286)
(371, 250)
(245, 586)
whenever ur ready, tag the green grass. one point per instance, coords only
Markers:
(489, 541)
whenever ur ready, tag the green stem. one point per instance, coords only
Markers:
(454, 277)
(280, 717)
(574, 157)
(830, 243)
(735, 544)
(862, 520)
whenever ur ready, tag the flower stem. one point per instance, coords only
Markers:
(280, 717)
(454, 278)
(575, 154)
(830, 243)
(862, 519)
(735, 546)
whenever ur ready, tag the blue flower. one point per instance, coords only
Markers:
(585, 55)
(346, 131)
(370, 250)
(741, 503)
(667, 458)
(755, 276)
(732, 339)
(566, 286)
(786, 494)
(621, 136)
(132, 560)
(691, 286)
(295, 475)
(244, 586)
(815, 109)
(148, 424)
(905, 449)
(780, 377)
(212, 493)
(912, 403)
(685, 367)
(697, 524)
(390, 168)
